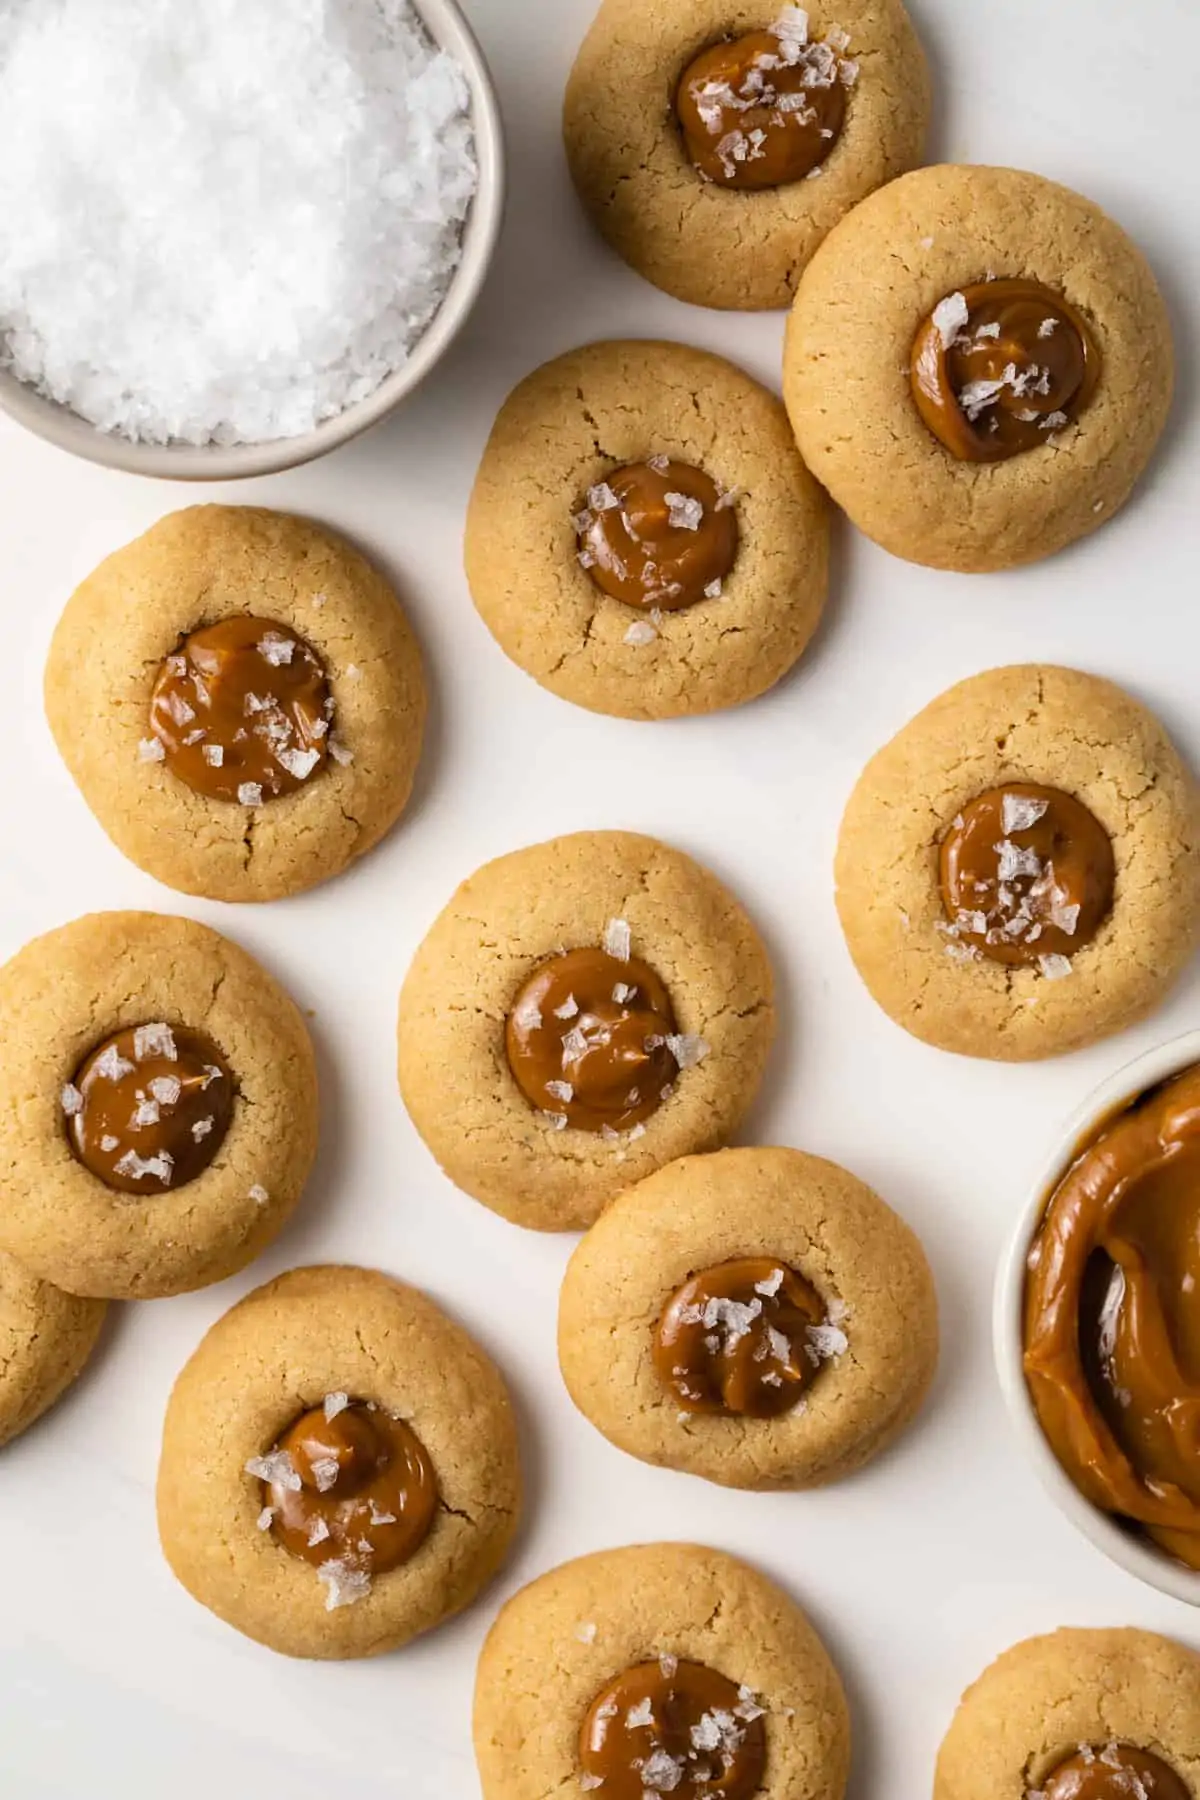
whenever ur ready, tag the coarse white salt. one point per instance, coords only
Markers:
(618, 939)
(155, 1040)
(276, 1469)
(949, 316)
(227, 221)
(345, 1584)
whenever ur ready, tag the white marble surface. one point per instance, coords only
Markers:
(112, 1682)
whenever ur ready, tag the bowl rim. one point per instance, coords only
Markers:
(1130, 1553)
(67, 430)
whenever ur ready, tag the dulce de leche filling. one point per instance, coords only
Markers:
(1112, 1318)
(766, 109)
(149, 1107)
(673, 1727)
(1027, 877)
(241, 711)
(745, 1338)
(999, 367)
(349, 1489)
(1113, 1771)
(592, 1040)
(658, 535)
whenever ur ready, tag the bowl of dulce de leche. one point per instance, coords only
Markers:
(1097, 1320)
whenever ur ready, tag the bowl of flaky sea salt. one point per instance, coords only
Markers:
(235, 233)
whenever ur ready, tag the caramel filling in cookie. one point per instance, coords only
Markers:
(673, 1727)
(658, 535)
(747, 1337)
(148, 1109)
(1113, 1772)
(349, 1489)
(766, 109)
(1027, 877)
(999, 367)
(592, 1040)
(242, 711)
(1112, 1317)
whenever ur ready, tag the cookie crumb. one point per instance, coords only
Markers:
(586, 1633)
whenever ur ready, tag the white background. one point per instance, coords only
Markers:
(113, 1683)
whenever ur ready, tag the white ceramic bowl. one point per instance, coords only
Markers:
(1135, 1554)
(190, 462)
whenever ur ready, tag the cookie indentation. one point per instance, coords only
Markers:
(1113, 1772)
(658, 535)
(148, 1109)
(242, 710)
(1027, 876)
(589, 1040)
(674, 1727)
(766, 109)
(746, 1338)
(999, 367)
(349, 1484)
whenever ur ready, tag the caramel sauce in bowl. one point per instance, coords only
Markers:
(1123, 1542)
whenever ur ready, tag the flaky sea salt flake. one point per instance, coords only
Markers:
(155, 1040)
(266, 1518)
(258, 1194)
(72, 1100)
(325, 1470)
(684, 512)
(214, 755)
(1055, 968)
(275, 649)
(687, 1048)
(601, 498)
(276, 1469)
(771, 1286)
(335, 1403)
(250, 793)
(151, 750)
(618, 940)
(560, 1090)
(640, 633)
(949, 317)
(586, 1632)
(1020, 813)
(345, 1584)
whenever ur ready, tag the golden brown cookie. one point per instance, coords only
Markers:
(635, 996)
(907, 261)
(697, 236)
(758, 1317)
(158, 1116)
(1074, 1716)
(652, 1614)
(46, 1337)
(1010, 972)
(722, 601)
(141, 702)
(401, 1521)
